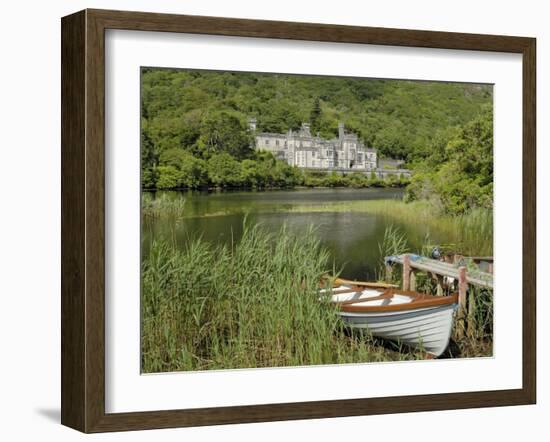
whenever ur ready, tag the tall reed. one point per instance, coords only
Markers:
(161, 206)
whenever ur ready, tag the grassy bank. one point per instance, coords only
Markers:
(470, 233)
(252, 305)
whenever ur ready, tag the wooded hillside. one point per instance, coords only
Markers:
(194, 125)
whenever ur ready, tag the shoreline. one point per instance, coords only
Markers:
(268, 189)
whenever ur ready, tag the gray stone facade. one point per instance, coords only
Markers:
(304, 150)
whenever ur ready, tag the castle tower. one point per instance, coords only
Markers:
(343, 145)
(341, 131)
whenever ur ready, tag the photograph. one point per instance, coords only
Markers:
(301, 220)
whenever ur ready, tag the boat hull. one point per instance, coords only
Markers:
(427, 328)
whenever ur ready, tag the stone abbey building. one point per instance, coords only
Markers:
(302, 149)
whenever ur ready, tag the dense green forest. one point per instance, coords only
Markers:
(195, 132)
(458, 173)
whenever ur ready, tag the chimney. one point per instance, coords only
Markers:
(341, 131)
(252, 124)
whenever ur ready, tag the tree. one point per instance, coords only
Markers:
(174, 157)
(393, 139)
(224, 170)
(250, 176)
(315, 116)
(222, 131)
(285, 175)
(193, 173)
(181, 166)
(149, 178)
(465, 180)
(149, 159)
(168, 177)
(358, 180)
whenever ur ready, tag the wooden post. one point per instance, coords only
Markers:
(406, 271)
(462, 289)
(439, 285)
(389, 272)
(412, 281)
(471, 313)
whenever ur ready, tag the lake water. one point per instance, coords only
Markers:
(352, 238)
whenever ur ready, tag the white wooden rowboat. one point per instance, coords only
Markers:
(411, 318)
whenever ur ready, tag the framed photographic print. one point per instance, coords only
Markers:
(269, 220)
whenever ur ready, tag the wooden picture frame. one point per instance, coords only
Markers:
(83, 220)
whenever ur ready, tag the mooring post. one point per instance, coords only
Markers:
(439, 285)
(462, 289)
(412, 281)
(471, 313)
(389, 272)
(406, 272)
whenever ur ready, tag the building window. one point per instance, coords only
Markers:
(267, 142)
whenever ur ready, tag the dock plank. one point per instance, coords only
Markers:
(476, 277)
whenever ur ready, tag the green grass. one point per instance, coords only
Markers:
(253, 305)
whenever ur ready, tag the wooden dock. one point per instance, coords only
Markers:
(439, 270)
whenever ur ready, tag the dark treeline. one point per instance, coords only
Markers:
(195, 132)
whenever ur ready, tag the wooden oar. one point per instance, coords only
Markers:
(342, 292)
(387, 294)
(376, 285)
